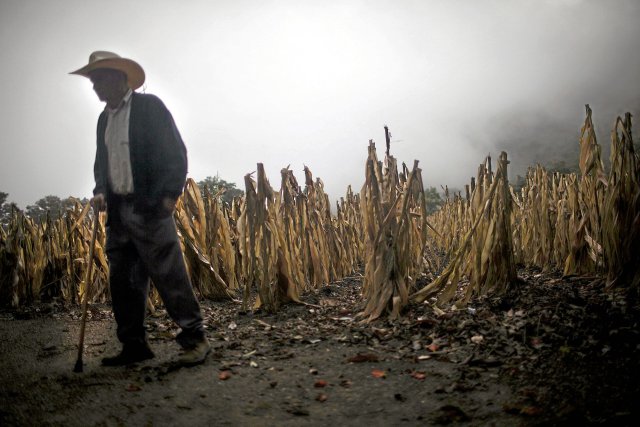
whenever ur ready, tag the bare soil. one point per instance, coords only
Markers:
(553, 351)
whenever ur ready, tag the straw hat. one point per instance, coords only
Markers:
(104, 59)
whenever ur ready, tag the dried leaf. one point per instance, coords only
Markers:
(477, 339)
(418, 375)
(224, 375)
(320, 384)
(378, 373)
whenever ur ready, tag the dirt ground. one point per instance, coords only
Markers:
(554, 351)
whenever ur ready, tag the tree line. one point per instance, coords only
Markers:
(54, 206)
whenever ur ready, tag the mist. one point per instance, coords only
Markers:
(310, 83)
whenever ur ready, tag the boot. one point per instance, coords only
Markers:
(131, 353)
(195, 355)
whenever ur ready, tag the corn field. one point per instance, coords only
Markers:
(269, 247)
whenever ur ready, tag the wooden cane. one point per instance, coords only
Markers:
(87, 288)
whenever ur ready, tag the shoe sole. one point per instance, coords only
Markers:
(127, 363)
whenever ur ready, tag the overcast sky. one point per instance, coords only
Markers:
(310, 82)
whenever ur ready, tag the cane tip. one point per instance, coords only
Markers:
(78, 367)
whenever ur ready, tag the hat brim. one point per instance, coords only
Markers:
(133, 70)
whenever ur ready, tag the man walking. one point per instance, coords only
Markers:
(140, 171)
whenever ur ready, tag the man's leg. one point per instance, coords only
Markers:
(128, 291)
(129, 287)
(157, 244)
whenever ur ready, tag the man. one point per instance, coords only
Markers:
(140, 171)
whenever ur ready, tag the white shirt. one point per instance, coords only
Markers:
(116, 138)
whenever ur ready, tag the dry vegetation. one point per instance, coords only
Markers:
(269, 247)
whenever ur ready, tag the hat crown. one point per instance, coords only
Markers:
(100, 55)
(105, 59)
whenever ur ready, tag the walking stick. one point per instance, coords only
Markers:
(87, 288)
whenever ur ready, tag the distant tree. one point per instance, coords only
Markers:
(6, 209)
(4, 214)
(216, 185)
(433, 200)
(558, 165)
(52, 205)
(453, 192)
(563, 167)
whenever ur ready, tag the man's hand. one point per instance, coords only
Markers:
(169, 204)
(99, 202)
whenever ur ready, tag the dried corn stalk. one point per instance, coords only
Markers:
(348, 228)
(394, 243)
(317, 211)
(264, 244)
(621, 220)
(537, 239)
(200, 244)
(486, 253)
(563, 185)
(47, 259)
(591, 196)
(293, 220)
(287, 242)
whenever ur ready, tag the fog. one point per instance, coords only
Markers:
(310, 82)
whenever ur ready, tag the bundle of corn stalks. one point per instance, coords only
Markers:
(349, 228)
(394, 221)
(49, 259)
(557, 218)
(347, 233)
(485, 255)
(262, 242)
(564, 199)
(452, 221)
(591, 196)
(536, 225)
(293, 215)
(287, 242)
(316, 215)
(206, 243)
(99, 280)
(621, 216)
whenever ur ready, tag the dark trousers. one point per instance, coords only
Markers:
(139, 249)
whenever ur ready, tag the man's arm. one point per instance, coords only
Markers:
(99, 202)
(171, 151)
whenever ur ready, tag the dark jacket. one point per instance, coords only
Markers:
(158, 157)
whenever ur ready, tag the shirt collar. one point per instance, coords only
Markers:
(125, 101)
